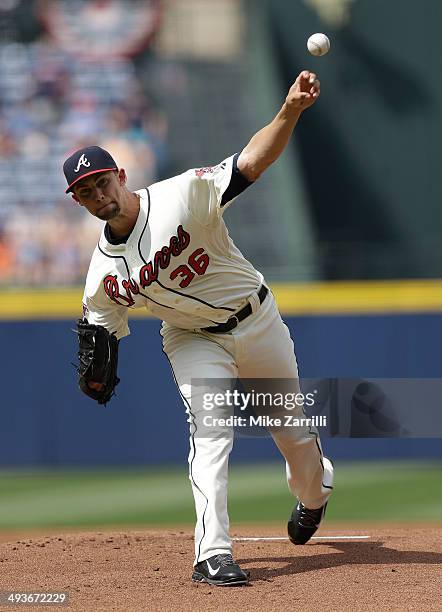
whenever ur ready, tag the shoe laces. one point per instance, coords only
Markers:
(308, 517)
(225, 560)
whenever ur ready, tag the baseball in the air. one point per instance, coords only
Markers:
(318, 44)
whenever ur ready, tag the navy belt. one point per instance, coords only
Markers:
(234, 320)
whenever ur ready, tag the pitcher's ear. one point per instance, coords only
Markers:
(74, 197)
(122, 176)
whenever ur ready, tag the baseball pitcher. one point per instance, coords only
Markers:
(166, 248)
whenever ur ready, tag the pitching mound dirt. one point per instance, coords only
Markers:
(395, 569)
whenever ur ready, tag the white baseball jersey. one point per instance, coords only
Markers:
(179, 261)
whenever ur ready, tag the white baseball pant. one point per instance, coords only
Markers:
(260, 347)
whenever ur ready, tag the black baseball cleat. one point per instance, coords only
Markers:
(220, 570)
(304, 522)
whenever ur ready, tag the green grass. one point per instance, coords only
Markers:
(71, 498)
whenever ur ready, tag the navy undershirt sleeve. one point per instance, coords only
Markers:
(238, 183)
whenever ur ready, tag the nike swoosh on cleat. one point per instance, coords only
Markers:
(212, 572)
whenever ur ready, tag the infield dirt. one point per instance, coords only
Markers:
(396, 568)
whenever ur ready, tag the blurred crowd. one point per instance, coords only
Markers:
(51, 103)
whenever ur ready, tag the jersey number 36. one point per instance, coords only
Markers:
(198, 262)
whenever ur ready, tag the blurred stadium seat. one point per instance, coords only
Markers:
(52, 102)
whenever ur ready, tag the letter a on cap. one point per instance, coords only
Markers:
(83, 161)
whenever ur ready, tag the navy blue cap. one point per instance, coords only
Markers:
(87, 161)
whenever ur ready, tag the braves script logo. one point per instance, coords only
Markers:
(197, 264)
(200, 172)
(83, 161)
(208, 170)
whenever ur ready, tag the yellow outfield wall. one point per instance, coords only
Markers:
(320, 298)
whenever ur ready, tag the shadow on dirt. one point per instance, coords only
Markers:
(348, 553)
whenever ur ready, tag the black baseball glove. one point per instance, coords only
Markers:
(98, 355)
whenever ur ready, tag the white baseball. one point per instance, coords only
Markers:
(318, 44)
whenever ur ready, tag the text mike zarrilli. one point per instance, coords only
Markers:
(288, 420)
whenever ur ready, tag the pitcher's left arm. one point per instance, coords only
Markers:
(267, 145)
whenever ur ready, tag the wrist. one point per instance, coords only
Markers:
(291, 109)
